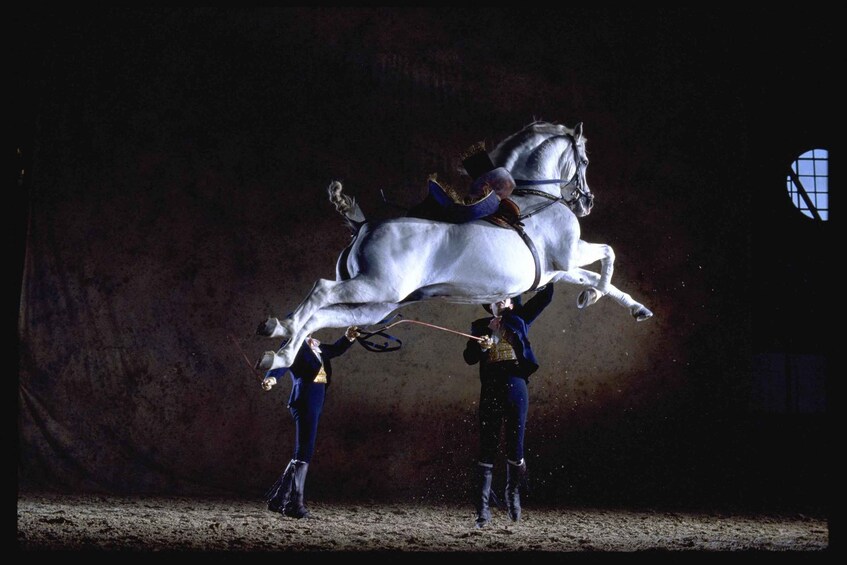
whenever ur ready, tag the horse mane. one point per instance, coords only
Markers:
(505, 153)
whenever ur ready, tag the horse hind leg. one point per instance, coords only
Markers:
(345, 315)
(325, 293)
(337, 316)
(274, 327)
(352, 212)
(284, 356)
(271, 327)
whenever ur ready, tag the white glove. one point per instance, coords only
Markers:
(352, 333)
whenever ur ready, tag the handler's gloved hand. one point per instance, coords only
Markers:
(352, 333)
(486, 343)
(268, 383)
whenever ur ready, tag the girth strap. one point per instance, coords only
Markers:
(534, 251)
(518, 227)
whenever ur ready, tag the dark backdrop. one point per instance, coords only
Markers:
(172, 169)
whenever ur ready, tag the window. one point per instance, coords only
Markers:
(808, 181)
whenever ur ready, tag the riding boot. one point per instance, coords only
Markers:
(277, 496)
(484, 475)
(295, 505)
(515, 474)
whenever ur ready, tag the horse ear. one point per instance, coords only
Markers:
(577, 131)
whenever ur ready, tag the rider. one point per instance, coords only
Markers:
(445, 204)
(506, 361)
(311, 374)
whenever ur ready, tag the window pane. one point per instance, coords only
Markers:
(807, 167)
(822, 167)
(808, 183)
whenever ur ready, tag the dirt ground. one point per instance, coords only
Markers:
(107, 524)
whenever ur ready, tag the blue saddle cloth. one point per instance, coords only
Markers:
(457, 212)
(488, 190)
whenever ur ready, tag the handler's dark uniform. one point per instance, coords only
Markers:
(504, 397)
(310, 376)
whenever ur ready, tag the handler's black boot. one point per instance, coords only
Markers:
(294, 505)
(483, 513)
(515, 475)
(277, 496)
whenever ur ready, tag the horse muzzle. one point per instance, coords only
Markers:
(582, 205)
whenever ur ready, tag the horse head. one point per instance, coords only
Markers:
(550, 158)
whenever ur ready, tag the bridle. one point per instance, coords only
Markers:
(577, 190)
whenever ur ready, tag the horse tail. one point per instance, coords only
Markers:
(346, 206)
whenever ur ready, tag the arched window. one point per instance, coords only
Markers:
(808, 184)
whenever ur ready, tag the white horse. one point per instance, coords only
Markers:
(396, 262)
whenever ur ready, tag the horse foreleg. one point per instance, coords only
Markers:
(589, 296)
(588, 253)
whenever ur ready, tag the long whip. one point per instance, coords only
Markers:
(405, 320)
(246, 360)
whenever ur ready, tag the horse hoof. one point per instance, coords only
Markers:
(587, 297)
(271, 327)
(267, 362)
(641, 313)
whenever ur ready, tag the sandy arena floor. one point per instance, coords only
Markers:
(105, 524)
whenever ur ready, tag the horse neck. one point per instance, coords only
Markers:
(551, 159)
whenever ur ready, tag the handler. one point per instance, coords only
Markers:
(311, 374)
(506, 361)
